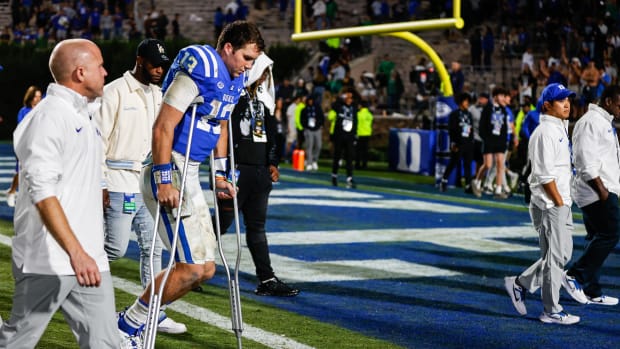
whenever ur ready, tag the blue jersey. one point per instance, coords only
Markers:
(219, 92)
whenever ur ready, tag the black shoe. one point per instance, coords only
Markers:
(275, 287)
(443, 185)
(334, 181)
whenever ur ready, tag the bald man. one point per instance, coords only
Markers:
(58, 257)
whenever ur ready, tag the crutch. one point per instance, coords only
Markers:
(233, 280)
(155, 298)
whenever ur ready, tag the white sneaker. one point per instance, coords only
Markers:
(516, 293)
(573, 288)
(309, 167)
(603, 300)
(562, 318)
(475, 187)
(167, 325)
(10, 199)
(513, 179)
(315, 166)
(130, 342)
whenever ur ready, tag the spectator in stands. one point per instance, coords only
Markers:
(285, 91)
(384, 71)
(161, 23)
(366, 86)
(395, 90)
(107, 24)
(176, 29)
(526, 83)
(319, 83)
(555, 73)
(475, 49)
(318, 14)
(457, 78)
(611, 71)
(591, 77)
(283, 7)
(488, 45)
(331, 12)
(118, 22)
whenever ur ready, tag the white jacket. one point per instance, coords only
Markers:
(597, 154)
(549, 153)
(128, 111)
(59, 150)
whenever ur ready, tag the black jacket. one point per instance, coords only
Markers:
(250, 126)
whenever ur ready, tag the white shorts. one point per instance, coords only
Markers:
(196, 243)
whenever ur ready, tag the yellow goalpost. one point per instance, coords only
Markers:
(401, 30)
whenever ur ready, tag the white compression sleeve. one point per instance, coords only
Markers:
(182, 92)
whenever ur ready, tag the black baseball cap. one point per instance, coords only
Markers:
(153, 51)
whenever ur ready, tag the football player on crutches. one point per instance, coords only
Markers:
(156, 295)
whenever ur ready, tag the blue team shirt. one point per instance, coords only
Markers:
(219, 92)
(21, 114)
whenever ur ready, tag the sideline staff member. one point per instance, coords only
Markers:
(58, 256)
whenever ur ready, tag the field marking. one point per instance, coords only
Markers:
(207, 316)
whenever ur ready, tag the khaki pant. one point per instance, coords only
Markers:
(555, 229)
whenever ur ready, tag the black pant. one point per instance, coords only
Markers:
(347, 145)
(466, 152)
(602, 221)
(254, 185)
(361, 152)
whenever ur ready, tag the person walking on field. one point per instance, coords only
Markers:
(254, 139)
(128, 109)
(595, 189)
(343, 117)
(58, 258)
(216, 75)
(460, 128)
(550, 208)
(493, 129)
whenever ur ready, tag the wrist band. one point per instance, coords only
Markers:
(162, 173)
(220, 175)
(220, 164)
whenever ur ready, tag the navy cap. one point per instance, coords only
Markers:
(554, 92)
(153, 51)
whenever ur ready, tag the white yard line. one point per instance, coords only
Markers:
(266, 338)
